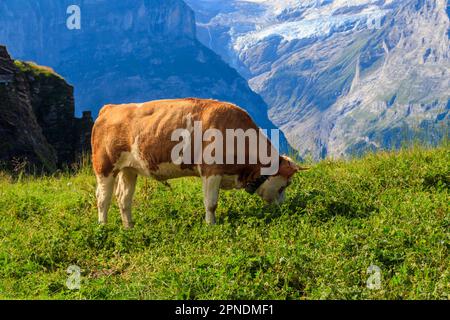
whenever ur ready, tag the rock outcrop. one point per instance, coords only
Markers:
(22, 139)
(37, 122)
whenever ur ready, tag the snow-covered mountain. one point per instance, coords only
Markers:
(340, 76)
(241, 25)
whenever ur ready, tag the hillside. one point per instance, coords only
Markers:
(387, 209)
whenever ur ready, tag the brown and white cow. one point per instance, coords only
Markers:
(136, 139)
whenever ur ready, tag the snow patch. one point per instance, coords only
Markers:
(317, 26)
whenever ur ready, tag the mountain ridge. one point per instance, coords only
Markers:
(360, 64)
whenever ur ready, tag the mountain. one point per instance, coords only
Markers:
(340, 77)
(37, 122)
(125, 51)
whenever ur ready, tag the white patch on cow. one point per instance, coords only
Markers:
(270, 190)
(139, 105)
(125, 160)
(167, 171)
(133, 160)
(138, 163)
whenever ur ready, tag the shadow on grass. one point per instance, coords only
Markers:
(265, 214)
(325, 207)
(437, 181)
(316, 203)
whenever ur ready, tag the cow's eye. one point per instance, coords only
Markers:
(282, 190)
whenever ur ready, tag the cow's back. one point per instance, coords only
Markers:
(145, 130)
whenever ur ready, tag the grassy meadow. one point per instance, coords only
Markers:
(390, 210)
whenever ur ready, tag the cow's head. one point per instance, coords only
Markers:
(274, 187)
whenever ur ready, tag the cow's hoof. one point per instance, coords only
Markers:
(128, 225)
(210, 222)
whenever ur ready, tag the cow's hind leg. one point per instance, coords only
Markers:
(211, 188)
(126, 187)
(105, 190)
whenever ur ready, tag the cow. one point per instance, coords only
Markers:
(138, 139)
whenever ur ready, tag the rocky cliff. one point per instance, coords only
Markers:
(22, 139)
(340, 77)
(37, 122)
(125, 51)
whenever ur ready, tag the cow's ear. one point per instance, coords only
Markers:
(288, 167)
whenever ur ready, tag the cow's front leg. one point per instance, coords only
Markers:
(211, 187)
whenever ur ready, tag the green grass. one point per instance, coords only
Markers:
(388, 209)
(35, 69)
